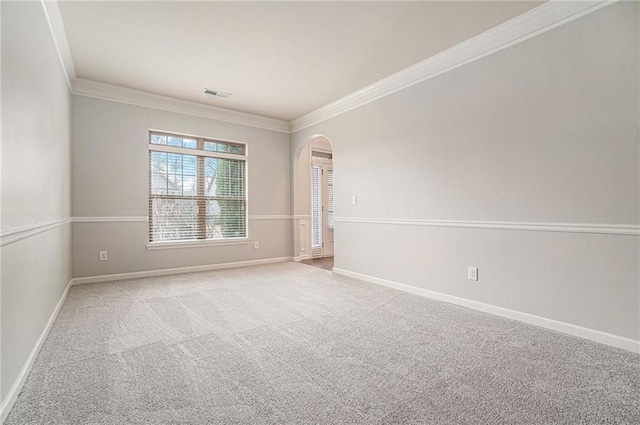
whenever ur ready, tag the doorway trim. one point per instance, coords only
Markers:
(301, 193)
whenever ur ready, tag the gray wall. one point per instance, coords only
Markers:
(301, 189)
(110, 179)
(544, 131)
(36, 139)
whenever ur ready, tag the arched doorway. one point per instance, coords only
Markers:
(313, 200)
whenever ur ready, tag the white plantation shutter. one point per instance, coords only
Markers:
(316, 211)
(197, 189)
(330, 198)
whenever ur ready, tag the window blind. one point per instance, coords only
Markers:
(197, 189)
(316, 210)
(330, 198)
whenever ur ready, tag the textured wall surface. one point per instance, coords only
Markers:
(545, 131)
(110, 179)
(36, 185)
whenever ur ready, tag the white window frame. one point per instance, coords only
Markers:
(196, 243)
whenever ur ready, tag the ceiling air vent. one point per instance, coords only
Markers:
(217, 93)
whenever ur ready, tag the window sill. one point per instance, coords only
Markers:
(196, 244)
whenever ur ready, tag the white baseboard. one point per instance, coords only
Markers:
(12, 395)
(177, 270)
(568, 328)
(302, 257)
(579, 331)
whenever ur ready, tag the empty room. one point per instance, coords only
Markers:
(318, 212)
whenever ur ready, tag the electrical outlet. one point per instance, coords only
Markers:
(104, 256)
(472, 273)
(354, 200)
(256, 245)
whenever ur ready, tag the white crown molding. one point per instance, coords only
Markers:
(104, 91)
(567, 328)
(523, 27)
(59, 35)
(98, 90)
(607, 229)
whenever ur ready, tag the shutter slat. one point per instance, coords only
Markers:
(330, 198)
(316, 211)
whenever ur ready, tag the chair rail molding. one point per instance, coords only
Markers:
(115, 219)
(608, 229)
(23, 232)
(112, 219)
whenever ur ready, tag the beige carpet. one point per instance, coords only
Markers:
(293, 344)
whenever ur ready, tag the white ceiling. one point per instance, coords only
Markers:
(279, 59)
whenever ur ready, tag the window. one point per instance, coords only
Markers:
(197, 188)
